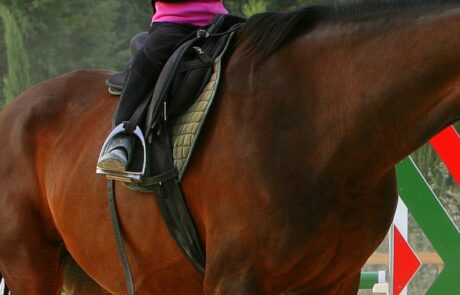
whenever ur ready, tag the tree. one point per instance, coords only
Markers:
(17, 78)
(3, 66)
(255, 6)
(67, 35)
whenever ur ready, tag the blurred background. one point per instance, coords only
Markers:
(40, 39)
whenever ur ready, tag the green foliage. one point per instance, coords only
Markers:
(235, 7)
(65, 35)
(17, 76)
(441, 182)
(79, 34)
(3, 65)
(250, 7)
(255, 6)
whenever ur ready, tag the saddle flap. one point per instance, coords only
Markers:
(189, 69)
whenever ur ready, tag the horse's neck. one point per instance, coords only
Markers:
(392, 88)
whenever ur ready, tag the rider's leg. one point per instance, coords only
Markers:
(145, 70)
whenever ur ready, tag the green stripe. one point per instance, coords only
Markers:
(435, 223)
(368, 280)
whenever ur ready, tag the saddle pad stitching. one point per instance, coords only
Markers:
(188, 126)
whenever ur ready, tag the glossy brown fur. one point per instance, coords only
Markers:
(292, 185)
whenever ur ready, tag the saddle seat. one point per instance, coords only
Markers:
(181, 82)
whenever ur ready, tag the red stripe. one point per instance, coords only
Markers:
(405, 262)
(447, 145)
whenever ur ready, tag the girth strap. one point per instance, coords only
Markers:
(159, 179)
(172, 204)
(119, 238)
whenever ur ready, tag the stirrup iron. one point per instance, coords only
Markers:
(127, 176)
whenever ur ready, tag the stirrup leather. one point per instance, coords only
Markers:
(127, 176)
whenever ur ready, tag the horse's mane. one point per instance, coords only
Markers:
(264, 33)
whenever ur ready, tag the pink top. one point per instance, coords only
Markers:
(198, 13)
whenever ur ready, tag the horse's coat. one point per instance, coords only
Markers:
(292, 187)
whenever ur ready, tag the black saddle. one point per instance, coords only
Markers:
(181, 81)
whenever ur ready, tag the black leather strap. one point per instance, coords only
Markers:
(234, 28)
(119, 238)
(159, 179)
(164, 81)
(172, 204)
(133, 122)
(190, 65)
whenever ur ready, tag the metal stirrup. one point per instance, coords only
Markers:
(128, 176)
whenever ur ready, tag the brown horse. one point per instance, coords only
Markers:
(292, 186)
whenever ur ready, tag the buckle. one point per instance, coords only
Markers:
(201, 33)
(127, 176)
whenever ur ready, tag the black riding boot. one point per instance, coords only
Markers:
(139, 83)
